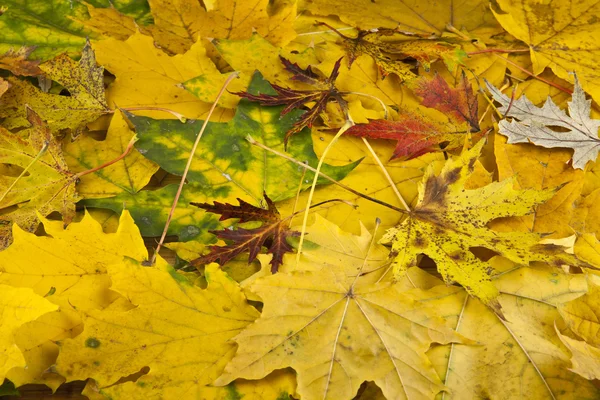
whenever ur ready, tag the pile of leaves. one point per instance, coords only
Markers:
(390, 199)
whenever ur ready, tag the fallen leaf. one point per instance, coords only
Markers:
(47, 186)
(128, 175)
(584, 357)
(294, 99)
(355, 330)
(246, 175)
(17, 62)
(273, 233)
(524, 349)
(21, 305)
(85, 83)
(138, 59)
(179, 331)
(578, 131)
(449, 220)
(559, 36)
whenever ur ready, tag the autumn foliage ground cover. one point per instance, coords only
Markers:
(388, 199)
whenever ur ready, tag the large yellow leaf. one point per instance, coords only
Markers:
(127, 175)
(338, 329)
(47, 186)
(85, 83)
(561, 35)
(449, 220)
(540, 169)
(179, 331)
(520, 356)
(17, 306)
(424, 17)
(70, 264)
(138, 60)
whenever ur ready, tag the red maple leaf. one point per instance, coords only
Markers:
(272, 233)
(460, 103)
(293, 99)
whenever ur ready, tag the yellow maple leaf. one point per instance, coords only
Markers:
(138, 60)
(560, 35)
(128, 175)
(46, 186)
(330, 320)
(520, 356)
(17, 306)
(448, 220)
(180, 331)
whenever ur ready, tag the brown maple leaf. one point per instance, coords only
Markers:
(292, 99)
(272, 233)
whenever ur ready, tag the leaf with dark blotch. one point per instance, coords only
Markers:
(459, 104)
(414, 134)
(294, 99)
(272, 233)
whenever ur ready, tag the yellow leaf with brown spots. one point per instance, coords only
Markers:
(448, 220)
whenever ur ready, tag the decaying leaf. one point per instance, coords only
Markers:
(16, 62)
(272, 233)
(85, 103)
(46, 186)
(448, 220)
(354, 330)
(576, 131)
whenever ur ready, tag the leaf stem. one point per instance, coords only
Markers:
(330, 179)
(111, 162)
(189, 163)
(35, 159)
(385, 109)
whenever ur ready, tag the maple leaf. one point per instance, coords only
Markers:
(355, 329)
(448, 220)
(85, 103)
(524, 349)
(17, 306)
(47, 186)
(178, 330)
(273, 233)
(577, 130)
(563, 41)
(294, 99)
(417, 135)
(460, 103)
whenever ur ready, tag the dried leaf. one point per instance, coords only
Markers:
(272, 233)
(577, 130)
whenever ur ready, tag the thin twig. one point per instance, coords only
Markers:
(189, 163)
(321, 174)
(298, 195)
(471, 53)
(35, 159)
(387, 175)
(349, 123)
